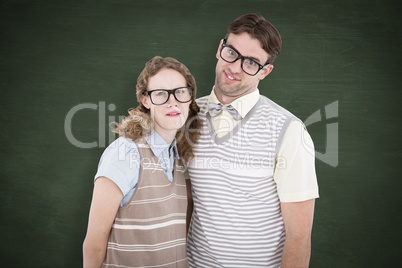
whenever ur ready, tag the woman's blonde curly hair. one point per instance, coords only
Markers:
(139, 124)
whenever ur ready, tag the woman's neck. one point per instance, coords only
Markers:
(167, 136)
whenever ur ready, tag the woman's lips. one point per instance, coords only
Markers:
(173, 114)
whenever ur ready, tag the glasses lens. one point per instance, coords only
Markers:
(159, 96)
(183, 94)
(228, 54)
(250, 66)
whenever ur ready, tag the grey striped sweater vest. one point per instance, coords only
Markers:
(150, 230)
(237, 220)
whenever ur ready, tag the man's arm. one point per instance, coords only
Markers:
(298, 219)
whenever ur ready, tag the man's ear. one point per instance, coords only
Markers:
(146, 101)
(218, 52)
(266, 71)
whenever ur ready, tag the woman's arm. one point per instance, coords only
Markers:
(106, 199)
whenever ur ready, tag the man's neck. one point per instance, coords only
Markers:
(224, 99)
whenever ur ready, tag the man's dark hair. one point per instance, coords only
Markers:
(258, 27)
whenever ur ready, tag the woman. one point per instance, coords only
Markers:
(138, 211)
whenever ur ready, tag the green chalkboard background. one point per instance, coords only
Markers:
(340, 68)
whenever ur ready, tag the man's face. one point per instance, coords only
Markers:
(231, 82)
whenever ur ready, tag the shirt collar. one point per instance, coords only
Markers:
(158, 145)
(243, 105)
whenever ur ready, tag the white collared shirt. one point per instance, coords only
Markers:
(224, 122)
(295, 181)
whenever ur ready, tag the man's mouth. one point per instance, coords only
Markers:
(230, 78)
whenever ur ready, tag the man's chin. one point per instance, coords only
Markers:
(228, 90)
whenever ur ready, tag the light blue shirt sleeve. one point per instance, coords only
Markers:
(120, 162)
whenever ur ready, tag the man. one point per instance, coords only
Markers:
(253, 176)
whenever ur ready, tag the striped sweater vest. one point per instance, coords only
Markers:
(237, 220)
(150, 230)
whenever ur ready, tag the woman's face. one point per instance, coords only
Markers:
(170, 116)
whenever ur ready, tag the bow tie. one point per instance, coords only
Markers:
(215, 109)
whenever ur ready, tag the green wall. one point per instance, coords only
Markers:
(57, 56)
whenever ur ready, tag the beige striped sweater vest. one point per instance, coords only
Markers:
(150, 230)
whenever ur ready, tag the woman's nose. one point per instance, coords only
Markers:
(172, 100)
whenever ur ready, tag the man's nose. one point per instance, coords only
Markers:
(235, 67)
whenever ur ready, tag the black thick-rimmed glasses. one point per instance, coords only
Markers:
(249, 66)
(161, 96)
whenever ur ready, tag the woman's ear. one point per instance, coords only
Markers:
(146, 101)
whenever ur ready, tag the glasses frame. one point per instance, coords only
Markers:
(239, 56)
(170, 92)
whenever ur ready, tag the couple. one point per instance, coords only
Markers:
(249, 198)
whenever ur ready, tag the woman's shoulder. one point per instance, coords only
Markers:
(123, 142)
(120, 148)
(120, 162)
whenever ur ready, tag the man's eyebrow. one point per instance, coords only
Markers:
(253, 58)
